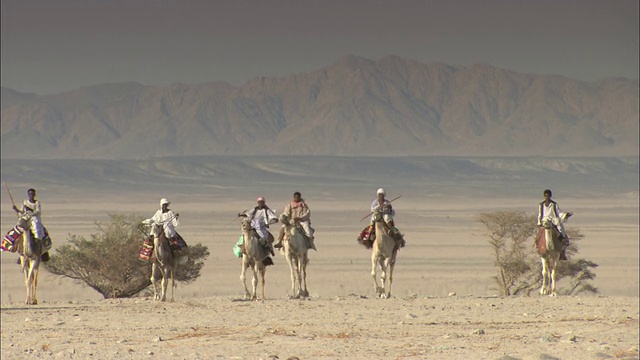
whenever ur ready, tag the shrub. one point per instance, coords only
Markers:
(511, 236)
(108, 261)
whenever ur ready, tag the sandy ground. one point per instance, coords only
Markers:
(326, 328)
(446, 253)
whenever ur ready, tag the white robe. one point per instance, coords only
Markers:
(33, 215)
(168, 220)
(260, 220)
(386, 215)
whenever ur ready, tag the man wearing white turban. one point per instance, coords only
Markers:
(166, 217)
(261, 217)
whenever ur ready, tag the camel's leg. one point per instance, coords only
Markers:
(374, 263)
(154, 269)
(292, 269)
(166, 273)
(35, 267)
(553, 275)
(545, 271)
(254, 281)
(262, 270)
(391, 263)
(303, 274)
(25, 270)
(383, 276)
(173, 282)
(243, 278)
(298, 262)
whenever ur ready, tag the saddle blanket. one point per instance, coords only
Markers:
(9, 240)
(177, 244)
(367, 236)
(237, 251)
(146, 250)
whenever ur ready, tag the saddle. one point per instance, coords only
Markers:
(367, 236)
(11, 242)
(178, 247)
(541, 244)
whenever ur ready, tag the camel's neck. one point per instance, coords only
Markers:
(548, 237)
(28, 246)
(248, 244)
(381, 234)
(163, 253)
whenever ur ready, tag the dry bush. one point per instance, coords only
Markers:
(108, 261)
(511, 236)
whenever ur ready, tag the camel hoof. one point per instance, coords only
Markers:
(305, 294)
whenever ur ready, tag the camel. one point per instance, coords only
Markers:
(549, 249)
(384, 252)
(164, 262)
(255, 256)
(296, 249)
(30, 250)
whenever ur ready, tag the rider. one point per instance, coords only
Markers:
(261, 217)
(549, 209)
(298, 211)
(167, 218)
(31, 211)
(384, 206)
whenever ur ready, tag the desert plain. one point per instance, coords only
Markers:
(444, 301)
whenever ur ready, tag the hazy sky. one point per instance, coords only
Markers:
(55, 45)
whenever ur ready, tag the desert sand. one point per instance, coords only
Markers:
(444, 304)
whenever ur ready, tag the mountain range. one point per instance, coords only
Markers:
(355, 106)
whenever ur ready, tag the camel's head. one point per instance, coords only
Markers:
(377, 215)
(246, 224)
(24, 223)
(284, 219)
(156, 229)
(546, 223)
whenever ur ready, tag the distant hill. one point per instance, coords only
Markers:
(354, 106)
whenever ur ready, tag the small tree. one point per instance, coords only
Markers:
(511, 235)
(108, 261)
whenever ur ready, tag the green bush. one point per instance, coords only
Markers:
(108, 261)
(511, 236)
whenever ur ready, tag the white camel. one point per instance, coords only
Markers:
(30, 250)
(549, 249)
(164, 263)
(384, 252)
(296, 250)
(254, 256)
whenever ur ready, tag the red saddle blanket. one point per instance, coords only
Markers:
(177, 244)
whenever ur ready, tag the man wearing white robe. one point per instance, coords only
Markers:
(166, 217)
(31, 211)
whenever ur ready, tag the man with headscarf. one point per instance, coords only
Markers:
(298, 211)
(31, 211)
(166, 217)
(549, 209)
(261, 217)
(384, 206)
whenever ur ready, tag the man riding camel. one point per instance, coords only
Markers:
(169, 221)
(31, 211)
(261, 217)
(388, 212)
(549, 209)
(383, 206)
(298, 211)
